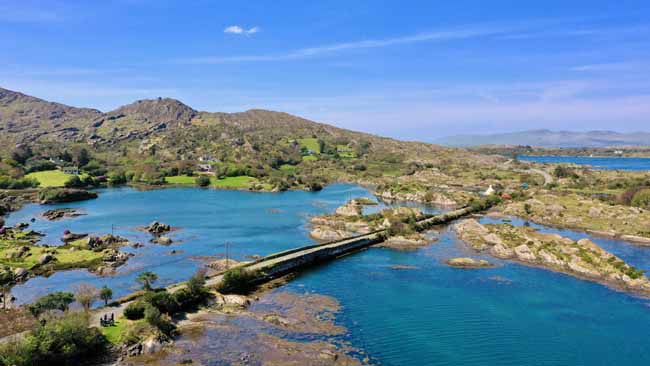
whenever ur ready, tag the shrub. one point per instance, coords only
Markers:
(21, 183)
(562, 171)
(54, 301)
(202, 181)
(239, 281)
(163, 301)
(642, 199)
(154, 318)
(117, 178)
(39, 165)
(74, 182)
(194, 294)
(134, 311)
(66, 341)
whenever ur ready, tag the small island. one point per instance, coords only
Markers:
(583, 258)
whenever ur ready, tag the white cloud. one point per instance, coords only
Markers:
(333, 48)
(235, 29)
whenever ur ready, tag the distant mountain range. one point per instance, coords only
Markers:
(550, 139)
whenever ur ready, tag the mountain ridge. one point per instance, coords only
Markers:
(551, 139)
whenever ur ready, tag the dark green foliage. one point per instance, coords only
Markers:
(478, 205)
(202, 181)
(21, 183)
(39, 165)
(147, 279)
(163, 301)
(562, 171)
(74, 182)
(194, 294)
(56, 195)
(154, 318)
(95, 168)
(117, 178)
(54, 301)
(21, 154)
(239, 281)
(105, 294)
(134, 311)
(66, 341)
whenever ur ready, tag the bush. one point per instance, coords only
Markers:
(642, 199)
(134, 311)
(54, 301)
(74, 182)
(154, 318)
(58, 195)
(163, 301)
(39, 165)
(202, 181)
(239, 281)
(116, 178)
(66, 341)
(21, 183)
(194, 294)
(562, 171)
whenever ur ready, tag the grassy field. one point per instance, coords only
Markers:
(181, 180)
(309, 158)
(311, 144)
(114, 334)
(288, 168)
(234, 182)
(50, 178)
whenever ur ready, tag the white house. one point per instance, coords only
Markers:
(490, 191)
(70, 170)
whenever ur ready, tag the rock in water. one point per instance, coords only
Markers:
(468, 263)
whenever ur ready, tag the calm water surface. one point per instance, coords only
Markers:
(607, 163)
(427, 315)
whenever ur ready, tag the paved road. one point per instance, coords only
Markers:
(548, 179)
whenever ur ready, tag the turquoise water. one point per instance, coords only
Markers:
(608, 163)
(428, 315)
(254, 224)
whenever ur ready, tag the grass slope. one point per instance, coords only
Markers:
(50, 178)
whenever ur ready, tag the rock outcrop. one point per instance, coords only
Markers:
(468, 263)
(157, 228)
(582, 258)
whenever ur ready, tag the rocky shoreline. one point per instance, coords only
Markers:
(582, 259)
(348, 220)
(256, 329)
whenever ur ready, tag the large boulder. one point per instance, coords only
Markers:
(45, 259)
(151, 346)
(157, 228)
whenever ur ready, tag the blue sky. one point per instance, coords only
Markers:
(407, 69)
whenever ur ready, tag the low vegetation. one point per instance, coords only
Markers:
(239, 281)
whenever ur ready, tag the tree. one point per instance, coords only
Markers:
(105, 294)
(642, 199)
(73, 182)
(85, 294)
(54, 301)
(83, 157)
(146, 279)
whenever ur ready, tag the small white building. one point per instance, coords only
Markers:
(73, 170)
(490, 191)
